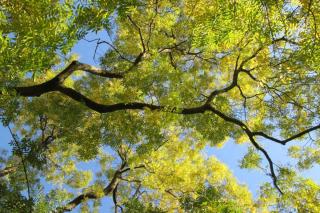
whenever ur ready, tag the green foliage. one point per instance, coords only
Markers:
(251, 160)
(34, 31)
(135, 206)
(31, 151)
(210, 199)
(306, 156)
(301, 194)
(12, 200)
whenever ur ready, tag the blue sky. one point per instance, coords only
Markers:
(230, 154)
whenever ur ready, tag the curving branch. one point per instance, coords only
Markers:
(55, 84)
(110, 188)
(99, 42)
(240, 68)
(57, 81)
(237, 70)
(253, 142)
(270, 162)
(101, 108)
(92, 195)
(285, 141)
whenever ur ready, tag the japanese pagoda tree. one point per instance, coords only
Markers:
(177, 77)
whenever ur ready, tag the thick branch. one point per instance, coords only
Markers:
(91, 195)
(107, 190)
(76, 201)
(7, 170)
(97, 71)
(54, 83)
(101, 108)
(254, 143)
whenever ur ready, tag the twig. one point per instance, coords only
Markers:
(20, 154)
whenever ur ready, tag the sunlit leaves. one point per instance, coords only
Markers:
(35, 30)
(210, 199)
(256, 62)
(300, 194)
(177, 168)
(251, 160)
(307, 156)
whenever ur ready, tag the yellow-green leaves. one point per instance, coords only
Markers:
(36, 30)
(175, 78)
(251, 160)
(307, 157)
(301, 194)
(180, 168)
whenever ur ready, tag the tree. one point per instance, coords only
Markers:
(177, 77)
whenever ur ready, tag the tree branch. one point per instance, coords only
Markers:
(20, 154)
(54, 83)
(7, 170)
(254, 143)
(285, 141)
(265, 153)
(92, 195)
(140, 33)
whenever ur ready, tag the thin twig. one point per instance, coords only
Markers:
(20, 154)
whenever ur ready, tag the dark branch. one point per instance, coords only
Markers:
(265, 153)
(140, 33)
(114, 198)
(57, 81)
(55, 85)
(254, 143)
(285, 141)
(101, 108)
(20, 154)
(91, 195)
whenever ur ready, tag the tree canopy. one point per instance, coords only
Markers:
(176, 78)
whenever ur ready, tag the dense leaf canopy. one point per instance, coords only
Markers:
(177, 77)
